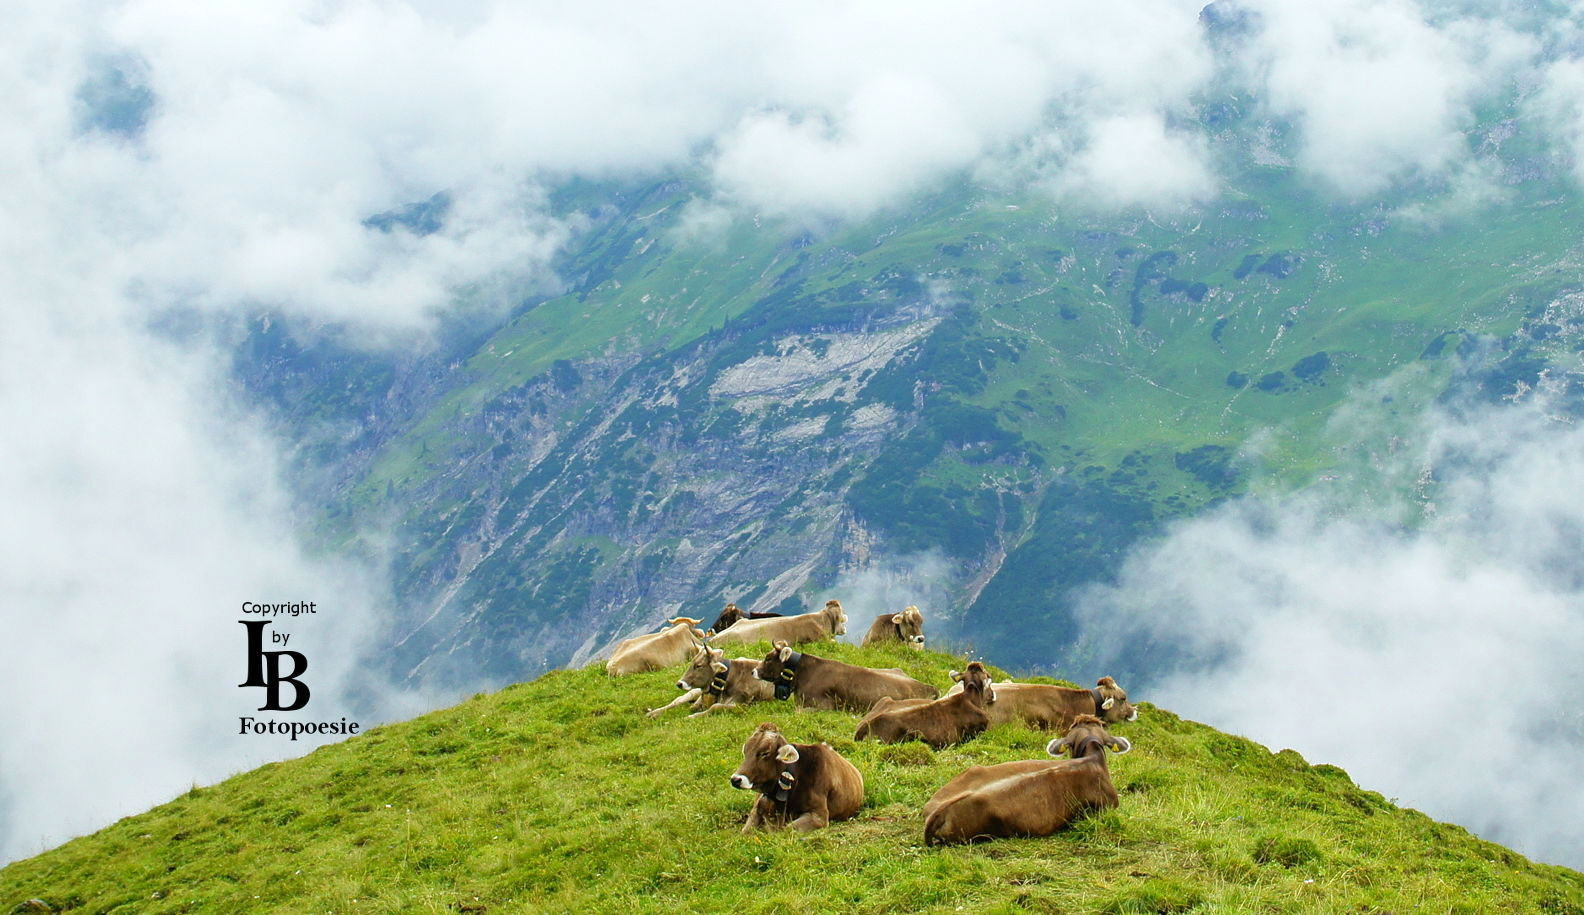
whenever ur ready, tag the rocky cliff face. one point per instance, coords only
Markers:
(1015, 393)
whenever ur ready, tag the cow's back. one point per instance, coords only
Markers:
(881, 630)
(807, 627)
(845, 784)
(1034, 803)
(1038, 705)
(857, 689)
(976, 777)
(633, 655)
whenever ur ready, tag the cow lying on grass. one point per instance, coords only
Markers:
(906, 627)
(805, 627)
(711, 682)
(1033, 797)
(940, 722)
(731, 613)
(1053, 708)
(657, 649)
(823, 683)
(802, 785)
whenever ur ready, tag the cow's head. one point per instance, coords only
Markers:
(769, 670)
(1115, 705)
(976, 683)
(910, 626)
(765, 756)
(1086, 736)
(838, 617)
(728, 615)
(705, 666)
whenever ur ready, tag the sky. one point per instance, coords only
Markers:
(164, 156)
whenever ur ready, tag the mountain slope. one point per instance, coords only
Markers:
(1005, 390)
(559, 795)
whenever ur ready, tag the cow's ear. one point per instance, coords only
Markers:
(1107, 704)
(786, 653)
(1055, 747)
(718, 667)
(699, 633)
(955, 675)
(1119, 744)
(717, 653)
(788, 754)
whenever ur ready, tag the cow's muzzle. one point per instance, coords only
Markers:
(741, 781)
(682, 684)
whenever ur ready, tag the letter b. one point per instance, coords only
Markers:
(272, 688)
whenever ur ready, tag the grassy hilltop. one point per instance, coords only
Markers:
(559, 795)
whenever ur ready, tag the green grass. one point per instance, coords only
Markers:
(560, 796)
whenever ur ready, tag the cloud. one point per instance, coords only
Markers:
(1560, 106)
(1135, 161)
(892, 583)
(1417, 621)
(138, 519)
(1380, 90)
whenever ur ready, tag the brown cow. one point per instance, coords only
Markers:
(802, 785)
(711, 682)
(1029, 798)
(939, 723)
(805, 627)
(1054, 707)
(823, 683)
(907, 627)
(657, 649)
(731, 613)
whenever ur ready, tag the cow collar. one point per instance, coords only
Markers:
(785, 782)
(1099, 699)
(783, 686)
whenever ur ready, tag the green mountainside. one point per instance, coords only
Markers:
(559, 795)
(987, 392)
(1003, 390)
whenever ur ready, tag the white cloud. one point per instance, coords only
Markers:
(1133, 160)
(1380, 90)
(1413, 641)
(890, 584)
(1560, 105)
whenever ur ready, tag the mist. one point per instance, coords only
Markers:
(890, 584)
(1417, 620)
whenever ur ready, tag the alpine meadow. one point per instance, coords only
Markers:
(1230, 351)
